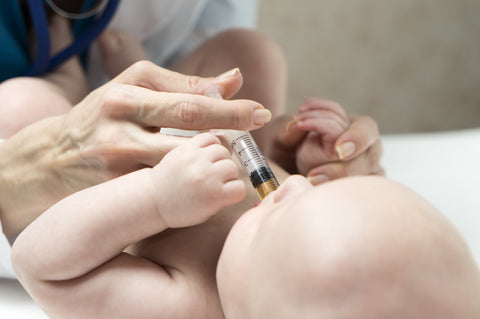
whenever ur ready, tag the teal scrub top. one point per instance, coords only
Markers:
(14, 51)
(15, 54)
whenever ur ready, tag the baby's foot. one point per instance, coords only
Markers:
(195, 180)
(119, 51)
(69, 77)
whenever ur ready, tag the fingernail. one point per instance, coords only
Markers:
(261, 116)
(318, 179)
(228, 74)
(290, 124)
(345, 150)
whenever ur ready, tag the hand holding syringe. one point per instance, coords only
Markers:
(248, 153)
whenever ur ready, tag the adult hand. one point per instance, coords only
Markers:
(113, 131)
(323, 143)
(358, 152)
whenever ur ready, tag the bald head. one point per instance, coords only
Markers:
(362, 247)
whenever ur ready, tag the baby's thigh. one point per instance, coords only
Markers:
(27, 100)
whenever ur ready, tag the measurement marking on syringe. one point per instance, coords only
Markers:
(261, 176)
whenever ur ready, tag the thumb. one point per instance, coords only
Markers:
(227, 84)
(360, 135)
(149, 75)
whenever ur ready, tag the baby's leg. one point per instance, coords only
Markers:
(390, 254)
(26, 100)
(260, 60)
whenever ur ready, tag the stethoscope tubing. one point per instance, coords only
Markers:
(43, 63)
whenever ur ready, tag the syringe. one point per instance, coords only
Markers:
(250, 157)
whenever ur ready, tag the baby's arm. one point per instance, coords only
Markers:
(71, 261)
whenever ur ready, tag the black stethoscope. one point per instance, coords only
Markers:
(43, 62)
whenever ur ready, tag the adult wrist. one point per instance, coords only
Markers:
(24, 176)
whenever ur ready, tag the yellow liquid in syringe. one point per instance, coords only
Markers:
(265, 188)
(249, 155)
(263, 181)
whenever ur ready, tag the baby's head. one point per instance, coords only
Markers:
(361, 247)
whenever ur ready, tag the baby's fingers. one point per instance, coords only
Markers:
(328, 125)
(233, 189)
(233, 192)
(368, 163)
(226, 170)
(321, 104)
(360, 135)
(205, 139)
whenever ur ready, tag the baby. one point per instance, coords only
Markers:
(166, 242)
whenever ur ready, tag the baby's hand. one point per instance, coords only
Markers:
(196, 180)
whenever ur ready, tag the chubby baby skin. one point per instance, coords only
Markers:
(124, 249)
(358, 247)
(94, 266)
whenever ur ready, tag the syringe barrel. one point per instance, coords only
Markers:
(253, 162)
(250, 157)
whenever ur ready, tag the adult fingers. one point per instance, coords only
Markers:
(368, 163)
(360, 135)
(182, 111)
(147, 149)
(154, 146)
(149, 75)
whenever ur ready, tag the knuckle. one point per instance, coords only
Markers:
(114, 101)
(241, 118)
(140, 67)
(189, 112)
(192, 82)
(372, 123)
(199, 176)
(225, 152)
(209, 138)
(232, 168)
(220, 149)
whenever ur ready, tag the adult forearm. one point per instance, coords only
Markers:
(28, 181)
